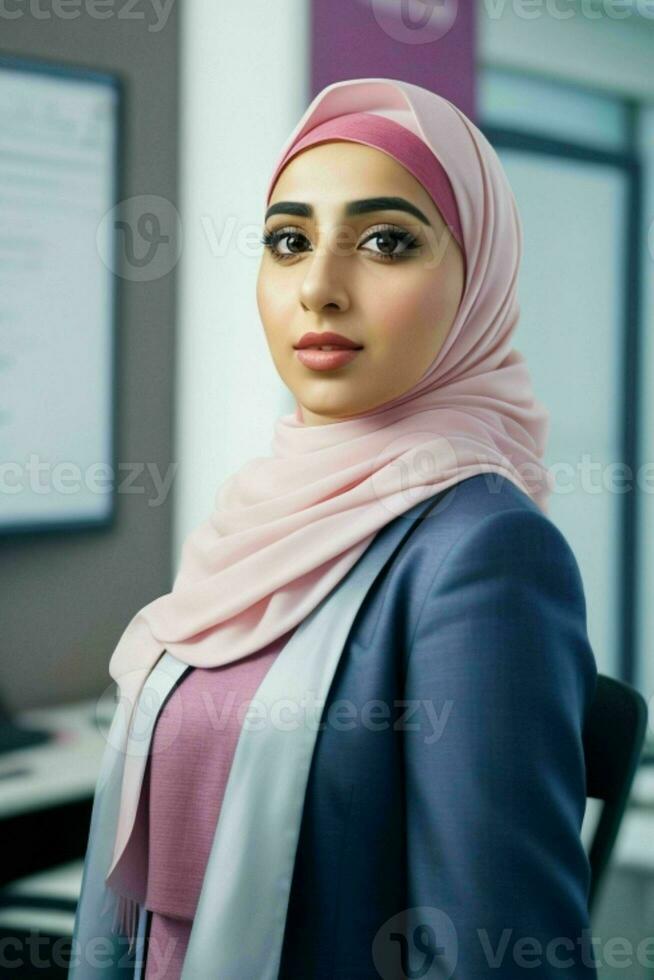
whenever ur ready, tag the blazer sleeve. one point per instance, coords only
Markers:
(499, 679)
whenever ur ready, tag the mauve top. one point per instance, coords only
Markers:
(192, 748)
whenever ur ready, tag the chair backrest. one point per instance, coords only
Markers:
(613, 740)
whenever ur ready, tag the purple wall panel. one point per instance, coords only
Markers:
(428, 42)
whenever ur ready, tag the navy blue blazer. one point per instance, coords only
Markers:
(448, 776)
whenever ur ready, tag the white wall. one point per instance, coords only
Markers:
(244, 84)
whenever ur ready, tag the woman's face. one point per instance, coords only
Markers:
(328, 269)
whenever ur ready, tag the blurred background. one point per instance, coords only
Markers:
(136, 143)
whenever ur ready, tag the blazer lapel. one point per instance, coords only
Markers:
(239, 924)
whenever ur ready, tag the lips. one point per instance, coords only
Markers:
(326, 347)
(326, 360)
(326, 341)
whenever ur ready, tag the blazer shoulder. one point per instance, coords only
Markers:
(509, 572)
(470, 502)
(487, 525)
(486, 508)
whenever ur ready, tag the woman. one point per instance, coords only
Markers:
(435, 829)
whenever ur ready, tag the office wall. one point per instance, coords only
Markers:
(244, 84)
(66, 598)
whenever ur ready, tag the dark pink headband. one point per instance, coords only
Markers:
(396, 140)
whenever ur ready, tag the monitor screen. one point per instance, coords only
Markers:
(59, 130)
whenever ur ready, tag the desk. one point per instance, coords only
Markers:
(59, 771)
(45, 808)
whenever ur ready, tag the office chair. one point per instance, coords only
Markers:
(613, 740)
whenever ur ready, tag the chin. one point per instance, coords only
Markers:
(337, 411)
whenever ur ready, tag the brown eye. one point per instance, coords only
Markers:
(391, 237)
(294, 240)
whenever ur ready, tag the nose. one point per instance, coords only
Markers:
(323, 286)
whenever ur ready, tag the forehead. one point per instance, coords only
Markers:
(338, 171)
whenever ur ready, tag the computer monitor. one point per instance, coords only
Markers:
(59, 181)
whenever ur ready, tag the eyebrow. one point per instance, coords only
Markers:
(364, 206)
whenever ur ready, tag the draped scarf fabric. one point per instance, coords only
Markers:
(288, 526)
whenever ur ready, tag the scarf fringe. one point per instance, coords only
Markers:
(126, 919)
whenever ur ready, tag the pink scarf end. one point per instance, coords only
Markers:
(126, 919)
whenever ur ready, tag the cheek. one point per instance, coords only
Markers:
(272, 302)
(411, 310)
(412, 321)
(430, 303)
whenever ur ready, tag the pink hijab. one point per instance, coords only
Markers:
(287, 527)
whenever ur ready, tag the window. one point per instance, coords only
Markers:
(570, 158)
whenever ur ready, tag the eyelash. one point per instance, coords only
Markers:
(270, 239)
